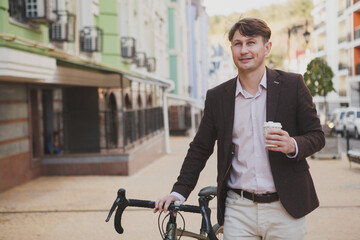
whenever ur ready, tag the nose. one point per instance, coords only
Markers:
(243, 49)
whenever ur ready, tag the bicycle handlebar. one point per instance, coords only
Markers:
(121, 203)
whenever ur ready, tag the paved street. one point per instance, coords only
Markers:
(76, 207)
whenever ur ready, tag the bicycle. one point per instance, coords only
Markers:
(172, 232)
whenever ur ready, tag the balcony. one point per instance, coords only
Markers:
(341, 12)
(342, 39)
(342, 66)
(357, 69)
(357, 32)
(319, 25)
(342, 93)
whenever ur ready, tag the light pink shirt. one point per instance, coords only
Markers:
(250, 165)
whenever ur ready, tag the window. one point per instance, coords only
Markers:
(17, 10)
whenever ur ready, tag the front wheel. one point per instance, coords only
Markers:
(218, 230)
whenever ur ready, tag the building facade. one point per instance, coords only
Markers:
(337, 39)
(83, 86)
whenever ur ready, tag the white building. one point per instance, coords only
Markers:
(336, 39)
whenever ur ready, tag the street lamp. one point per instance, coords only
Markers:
(306, 33)
(295, 29)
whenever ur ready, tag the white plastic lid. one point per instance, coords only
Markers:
(272, 124)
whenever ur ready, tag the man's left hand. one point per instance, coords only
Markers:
(281, 140)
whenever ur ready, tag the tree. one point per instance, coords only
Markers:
(318, 78)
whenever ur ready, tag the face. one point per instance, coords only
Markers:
(249, 52)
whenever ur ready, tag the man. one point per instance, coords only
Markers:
(263, 192)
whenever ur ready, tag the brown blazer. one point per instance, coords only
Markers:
(289, 102)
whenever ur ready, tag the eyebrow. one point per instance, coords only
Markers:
(248, 39)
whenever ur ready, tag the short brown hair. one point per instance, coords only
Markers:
(251, 27)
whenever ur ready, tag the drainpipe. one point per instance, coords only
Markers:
(166, 121)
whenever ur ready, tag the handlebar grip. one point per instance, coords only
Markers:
(141, 203)
(118, 215)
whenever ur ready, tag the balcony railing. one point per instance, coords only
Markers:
(341, 11)
(357, 32)
(342, 39)
(141, 123)
(342, 66)
(342, 93)
(357, 69)
(120, 130)
(348, 3)
(319, 25)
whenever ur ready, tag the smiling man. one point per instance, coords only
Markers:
(264, 184)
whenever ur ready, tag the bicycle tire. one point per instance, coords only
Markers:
(218, 230)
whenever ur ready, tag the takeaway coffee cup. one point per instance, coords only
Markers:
(269, 126)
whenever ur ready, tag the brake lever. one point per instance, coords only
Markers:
(121, 203)
(120, 194)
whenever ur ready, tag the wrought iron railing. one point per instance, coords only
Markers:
(122, 129)
(138, 124)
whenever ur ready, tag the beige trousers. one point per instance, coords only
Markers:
(245, 219)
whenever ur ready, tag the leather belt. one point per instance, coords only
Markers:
(258, 198)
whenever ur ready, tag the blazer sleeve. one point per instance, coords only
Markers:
(311, 138)
(199, 151)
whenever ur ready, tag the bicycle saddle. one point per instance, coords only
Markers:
(208, 191)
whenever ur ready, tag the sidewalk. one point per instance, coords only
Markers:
(54, 208)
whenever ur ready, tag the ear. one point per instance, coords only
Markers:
(268, 46)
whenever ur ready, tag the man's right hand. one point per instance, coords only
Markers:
(163, 203)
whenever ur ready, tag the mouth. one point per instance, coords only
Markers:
(245, 59)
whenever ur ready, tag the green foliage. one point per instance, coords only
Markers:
(318, 77)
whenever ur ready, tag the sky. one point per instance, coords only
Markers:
(226, 7)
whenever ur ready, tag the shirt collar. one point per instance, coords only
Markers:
(239, 88)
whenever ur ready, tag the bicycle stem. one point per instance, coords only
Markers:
(171, 226)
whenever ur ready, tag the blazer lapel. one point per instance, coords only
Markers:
(273, 92)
